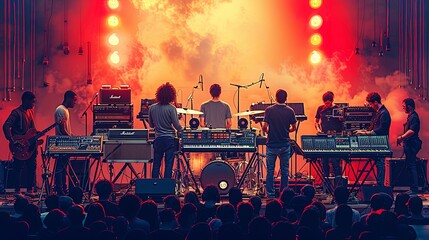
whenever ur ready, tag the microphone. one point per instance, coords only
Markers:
(95, 96)
(261, 80)
(202, 82)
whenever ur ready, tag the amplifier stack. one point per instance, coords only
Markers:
(115, 109)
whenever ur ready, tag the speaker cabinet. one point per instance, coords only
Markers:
(155, 189)
(127, 151)
(366, 192)
(399, 175)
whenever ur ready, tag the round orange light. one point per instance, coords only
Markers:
(315, 4)
(316, 21)
(113, 39)
(316, 39)
(114, 57)
(113, 4)
(315, 57)
(113, 21)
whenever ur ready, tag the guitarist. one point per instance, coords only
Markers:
(64, 129)
(18, 123)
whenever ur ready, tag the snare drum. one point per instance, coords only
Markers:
(220, 174)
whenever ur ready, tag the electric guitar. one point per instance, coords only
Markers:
(24, 146)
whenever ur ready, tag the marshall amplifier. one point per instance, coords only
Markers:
(137, 134)
(111, 124)
(115, 96)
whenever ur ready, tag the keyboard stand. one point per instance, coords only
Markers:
(365, 172)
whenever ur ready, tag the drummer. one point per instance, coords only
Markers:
(215, 112)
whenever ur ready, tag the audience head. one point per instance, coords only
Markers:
(308, 191)
(168, 219)
(259, 229)
(20, 204)
(401, 204)
(244, 212)
(51, 202)
(188, 215)
(199, 231)
(129, 205)
(54, 221)
(192, 197)
(136, 234)
(75, 215)
(415, 205)
(95, 212)
(149, 212)
(226, 213)
(310, 217)
(235, 196)
(381, 201)
(286, 195)
(256, 203)
(76, 193)
(341, 195)
(298, 203)
(322, 210)
(211, 194)
(273, 211)
(64, 203)
(374, 220)
(97, 227)
(305, 233)
(104, 189)
(344, 216)
(283, 231)
(120, 227)
(171, 201)
(32, 216)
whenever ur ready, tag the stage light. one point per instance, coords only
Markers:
(315, 4)
(113, 21)
(316, 39)
(113, 4)
(316, 21)
(315, 57)
(114, 57)
(113, 39)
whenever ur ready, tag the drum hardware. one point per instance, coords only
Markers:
(254, 162)
(182, 177)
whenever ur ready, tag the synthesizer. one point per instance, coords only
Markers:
(74, 145)
(298, 108)
(218, 140)
(369, 146)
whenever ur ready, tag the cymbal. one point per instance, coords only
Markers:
(247, 113)
(188, 111)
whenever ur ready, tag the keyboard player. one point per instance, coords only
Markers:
(327, 124)
(380, 125)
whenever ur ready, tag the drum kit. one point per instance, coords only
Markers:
(222, 170)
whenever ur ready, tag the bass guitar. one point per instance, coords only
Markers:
(24, 146)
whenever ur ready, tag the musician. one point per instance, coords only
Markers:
(327, 124)
(21, 120)
(163, 118)
(216, 113)
(279, 121)
(380, 125)
(62, 114)
(411, 142)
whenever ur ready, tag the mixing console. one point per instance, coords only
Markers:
(74, 145)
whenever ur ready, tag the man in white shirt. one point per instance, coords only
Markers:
(64, 129)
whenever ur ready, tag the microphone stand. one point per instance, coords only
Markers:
(269, 93)
(191, 98)
(85, 113)
(238, 92)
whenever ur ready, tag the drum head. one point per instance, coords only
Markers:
(219, 174)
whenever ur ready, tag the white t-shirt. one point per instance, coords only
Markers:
(63, 113)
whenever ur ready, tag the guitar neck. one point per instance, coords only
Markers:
(40, 134)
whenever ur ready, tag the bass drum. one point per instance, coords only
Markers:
(220, 174)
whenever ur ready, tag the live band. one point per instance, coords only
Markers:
(279, 121)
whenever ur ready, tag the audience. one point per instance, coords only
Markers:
(235, 196)
(76, 193)
(341, 195)
(104, 189)
(136, 220)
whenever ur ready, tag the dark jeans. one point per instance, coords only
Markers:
(379, 163)
(163, 147)
(411, 163)
(60, 174)
(18, 166)
(284, 154)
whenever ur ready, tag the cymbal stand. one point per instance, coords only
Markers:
(45, 177)
(182, 163)
(254, 159)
